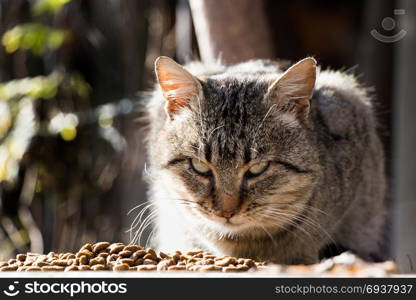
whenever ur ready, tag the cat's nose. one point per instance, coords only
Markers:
(227, 214)
(228, 206)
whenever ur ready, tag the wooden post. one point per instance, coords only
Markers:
(233, 31)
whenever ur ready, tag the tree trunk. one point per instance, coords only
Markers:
(232, 31)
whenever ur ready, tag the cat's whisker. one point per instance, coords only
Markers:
(186, 202)
(283, 227)
(213, 130)
(314, 224)
(136, 207)
(136, 220)
(146, 222)
(311, 223)
(142, 213)
(150, 237)
(145, 226)
(291, 219)
(295, 204)
(266, 231)
(309, 219)
(315, 209)
(318, 227)
(262, 121)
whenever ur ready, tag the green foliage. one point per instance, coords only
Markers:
(35, 87)
(15, 93)
(60, 151)
(34, 37)
(48, 6)
(44, 87)
(18, 123)
(77, 84)
(18, 128)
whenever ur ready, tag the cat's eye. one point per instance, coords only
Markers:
(257, 169)
(200, 167)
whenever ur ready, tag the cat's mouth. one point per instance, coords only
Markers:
(241, 226)
(229, 222)
(235, 225)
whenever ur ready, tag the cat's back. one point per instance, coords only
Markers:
(352, 159)
(343, 105)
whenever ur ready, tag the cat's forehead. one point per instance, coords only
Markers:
(233, 104)
(230, 118)
(235, 122)
(233, 96)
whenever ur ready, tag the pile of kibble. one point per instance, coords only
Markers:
(104, 256)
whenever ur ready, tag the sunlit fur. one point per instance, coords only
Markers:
(325, 183)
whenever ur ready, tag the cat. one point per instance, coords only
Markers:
(261, 161)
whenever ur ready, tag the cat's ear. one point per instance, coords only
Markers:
(179, 86)
(294, 89)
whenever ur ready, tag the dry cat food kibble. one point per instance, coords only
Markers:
(118, 257)
(104, 256)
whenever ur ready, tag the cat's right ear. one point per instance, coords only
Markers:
(179, 86)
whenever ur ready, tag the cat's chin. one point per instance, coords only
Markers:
(238, 233)
(235, 228)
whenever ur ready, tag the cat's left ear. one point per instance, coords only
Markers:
(179, 86)
(294, 89)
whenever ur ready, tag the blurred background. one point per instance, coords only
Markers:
(74, 72)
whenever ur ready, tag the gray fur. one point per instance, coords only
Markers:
(332, 168)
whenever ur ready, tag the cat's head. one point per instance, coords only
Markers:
(237, 151)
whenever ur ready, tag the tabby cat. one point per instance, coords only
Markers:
(256, 160)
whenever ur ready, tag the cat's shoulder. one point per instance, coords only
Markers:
(342, 102)
(344, 85)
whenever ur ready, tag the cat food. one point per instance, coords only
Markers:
(117, 257)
